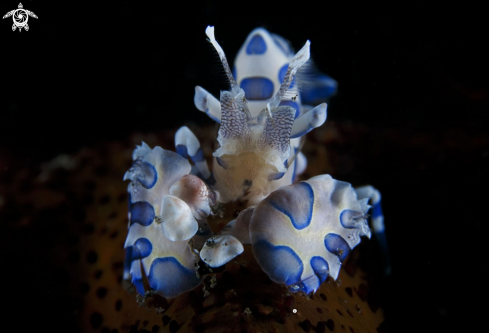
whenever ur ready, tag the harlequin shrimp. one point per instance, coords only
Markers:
(299, 232)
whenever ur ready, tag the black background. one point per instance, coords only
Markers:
(84, 74)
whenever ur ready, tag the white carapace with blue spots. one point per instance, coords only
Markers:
(299, 233)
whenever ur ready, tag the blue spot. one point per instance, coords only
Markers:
(296, 202)
(133, 253)
(144, 247)
(137, 277)
(146, 174)
(142, 212)
(337, 245)
(294, 105)
(320, 268)
(350, 218)
(281, 263)
(182, 150)
(377, 210)
(170, 278)
(257, 88)
(199, 156)
(138, 283)
(281, 75)
(256, 45)
(320, 89)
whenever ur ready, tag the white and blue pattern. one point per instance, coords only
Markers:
(152, 175)
(261, 118)
(300, 234)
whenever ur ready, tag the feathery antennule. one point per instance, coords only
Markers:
(291, 94)
(209, 31)
(299, 59)
(306, 73)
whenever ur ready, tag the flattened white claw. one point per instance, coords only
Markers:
(301, 233)
(195, 193)
(153, 173)
(177, 219)
(169, 266)
(219, 250)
